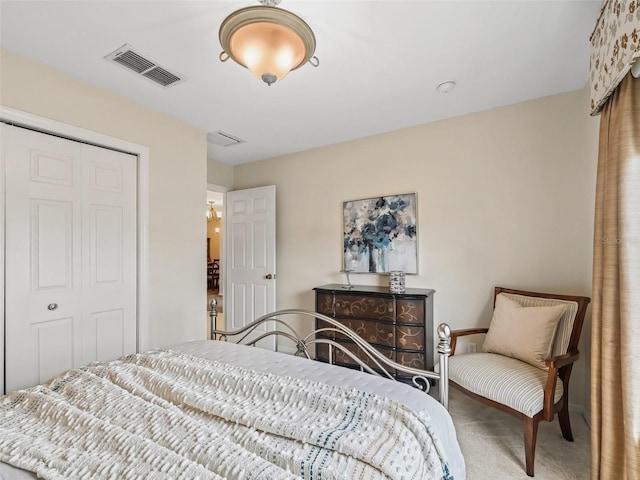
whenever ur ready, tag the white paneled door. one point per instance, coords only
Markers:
(70, 267)
(250, 264)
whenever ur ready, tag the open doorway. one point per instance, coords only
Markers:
(215, 290)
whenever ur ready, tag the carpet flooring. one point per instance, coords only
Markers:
(492, 443)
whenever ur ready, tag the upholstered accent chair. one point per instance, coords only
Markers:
(525, 366)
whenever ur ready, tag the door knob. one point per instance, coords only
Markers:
(52, 306)
(270, 276)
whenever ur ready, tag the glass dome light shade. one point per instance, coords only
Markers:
(269, 41)
(267, 48)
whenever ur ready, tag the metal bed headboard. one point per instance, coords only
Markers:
(382, 364)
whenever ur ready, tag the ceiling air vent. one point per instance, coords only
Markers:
(223, 139)
(133, 60)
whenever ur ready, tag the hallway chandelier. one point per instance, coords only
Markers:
(212, 212)
(267, 40)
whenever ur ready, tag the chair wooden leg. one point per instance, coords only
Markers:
(565, 424)
(530, 437)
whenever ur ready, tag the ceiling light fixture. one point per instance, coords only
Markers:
(267, 40)
(211, 211)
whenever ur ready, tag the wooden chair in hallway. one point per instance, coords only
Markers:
(215, 274)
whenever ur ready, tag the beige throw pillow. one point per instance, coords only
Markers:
(525, 333)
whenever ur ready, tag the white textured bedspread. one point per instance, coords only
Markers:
(168, 415)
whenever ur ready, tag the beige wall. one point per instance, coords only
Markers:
(505, 197)
(177, 183)
(219, 173)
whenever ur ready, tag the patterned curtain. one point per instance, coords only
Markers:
(615, 361)
(615, 46)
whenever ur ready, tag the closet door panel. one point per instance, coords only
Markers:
(54, 347)
(109, 254)
(43, 243)
(51, 244)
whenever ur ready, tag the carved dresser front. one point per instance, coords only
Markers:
(399, 325)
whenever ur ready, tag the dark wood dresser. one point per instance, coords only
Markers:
(399, 325)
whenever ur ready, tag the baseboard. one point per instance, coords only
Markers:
(576, 407)
(586, 414)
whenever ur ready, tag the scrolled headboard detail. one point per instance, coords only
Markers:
(377, 364)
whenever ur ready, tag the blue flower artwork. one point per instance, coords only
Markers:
(380, 234)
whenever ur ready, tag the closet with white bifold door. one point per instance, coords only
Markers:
(70, 255)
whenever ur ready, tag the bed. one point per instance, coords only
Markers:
(277, 415)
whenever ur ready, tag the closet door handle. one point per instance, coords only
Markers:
(52, 306)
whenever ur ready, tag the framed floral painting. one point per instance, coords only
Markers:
(380, 234)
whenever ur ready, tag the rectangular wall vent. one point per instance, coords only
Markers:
(133, 60)
(223, 139)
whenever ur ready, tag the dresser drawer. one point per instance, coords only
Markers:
(322, 352)
(322, 324)
(324, 303)
(410, 311)
(342, 358)
(409, 337)
(371, 331)
(356, 306)
(410, 359)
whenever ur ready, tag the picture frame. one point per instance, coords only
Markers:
(380, 234)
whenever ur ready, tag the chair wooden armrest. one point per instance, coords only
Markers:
(563, 360)
(461, 333)
(555, 364)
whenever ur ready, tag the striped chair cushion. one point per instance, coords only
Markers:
(503, 379)
(565, 326)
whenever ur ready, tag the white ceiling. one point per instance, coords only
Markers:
(380, 62)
